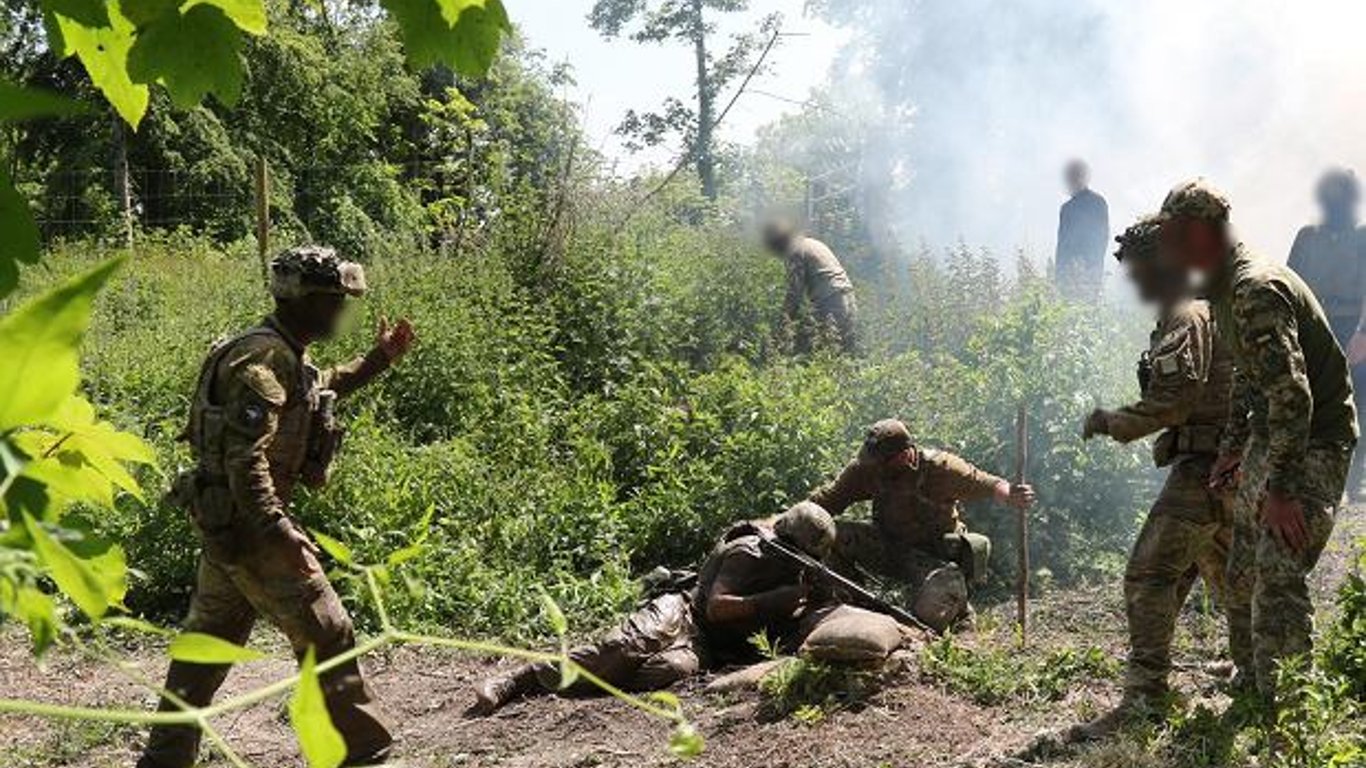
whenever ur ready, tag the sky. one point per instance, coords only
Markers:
(1260, 96)
(616, 75)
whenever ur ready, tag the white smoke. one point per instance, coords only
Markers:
(1257, 95)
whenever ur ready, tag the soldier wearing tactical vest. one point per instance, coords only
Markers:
(260, 423)
(815, 274)
(741, 589)
(1291, 429)
(917, 535)
(1184, 379)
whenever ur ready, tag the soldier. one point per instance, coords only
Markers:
(1290, 434)
(1331, 257)
(1184, 379)
(916, 536)
(1083, 232)
(741, 589)
(814, 273)
(259, 424)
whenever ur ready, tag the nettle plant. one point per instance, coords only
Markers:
(59, 460)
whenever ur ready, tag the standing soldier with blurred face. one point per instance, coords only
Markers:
(260, 423)
(1291, 430)
(1083, 234)
(1184, 379)
(917, 536)
(814, 273)
(1331, 257)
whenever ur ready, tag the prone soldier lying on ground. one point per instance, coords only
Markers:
(743, 588)
(917, 536)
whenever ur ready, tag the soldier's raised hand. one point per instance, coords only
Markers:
(396, 341)
(1097, 423)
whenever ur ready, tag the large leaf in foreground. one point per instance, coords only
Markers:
(94, 584)
(103, 50)
(20, 242)
(319, 741)
(207, 649)
(40, 346)
(463, 34)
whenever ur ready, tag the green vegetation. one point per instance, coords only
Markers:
(997, 675)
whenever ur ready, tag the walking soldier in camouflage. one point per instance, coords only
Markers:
(1290, 434)
(258, 425)
(813, 272)
(1184, 380)
(742, 589)
(917, 536)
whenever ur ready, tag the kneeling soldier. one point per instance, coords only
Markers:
(1184, 379)
(742, 589)
(260, 423)
(917, 536)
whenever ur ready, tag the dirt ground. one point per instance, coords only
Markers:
(912, 722)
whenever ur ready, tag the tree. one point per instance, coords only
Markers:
(686, 21)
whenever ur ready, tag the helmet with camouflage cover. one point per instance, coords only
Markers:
(1139, 241)
(313, 269)
(807, 525)
(1197, 199)
(886, 438)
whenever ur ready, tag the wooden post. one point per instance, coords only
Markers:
(263, 216)
(122, 186)
(1022, 537)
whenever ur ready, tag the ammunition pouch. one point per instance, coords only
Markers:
(1186, 440)
(971, 552)
(207, 500)
(1145, 371)
(324, 441)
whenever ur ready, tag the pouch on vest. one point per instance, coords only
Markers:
(971, 552)
(662, 581)
(325, 435)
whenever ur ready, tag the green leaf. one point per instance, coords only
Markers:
(94, 586)
(104, 51)
(91, 13)
(39, 342)
(558, 623)
(199, 648)
(339, 551)
(319, 741)
(464, 34)
(19, 103)
(667, 700)
(144, 12)
(192, 53)
(685, 741)
(248, 15)
(21, 242)
(400, 556)
(35, 609)
(136, 625)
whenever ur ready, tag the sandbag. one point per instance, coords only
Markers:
(853, 635)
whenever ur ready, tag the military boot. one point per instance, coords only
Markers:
(494, 693)
(1136, 707)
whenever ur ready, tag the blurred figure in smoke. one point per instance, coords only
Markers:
(1184, 382)
(814, 273)
(1331, 257)
(1083, 233)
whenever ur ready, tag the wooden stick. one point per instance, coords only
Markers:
(1022, 531)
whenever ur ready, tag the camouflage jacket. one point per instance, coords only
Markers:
(1291, 385)
(250, 422)
(915, 505)
(740, 566)
(814, 272)
(1187, 388)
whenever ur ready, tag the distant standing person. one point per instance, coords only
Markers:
(814, 274)
(1331, 257)
(1083, 235)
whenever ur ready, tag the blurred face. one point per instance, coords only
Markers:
(1338, 199)
(901, 458)
(315, 317)
(777, 239)
(1075, 177)
(1193, 245)
(1156, 283)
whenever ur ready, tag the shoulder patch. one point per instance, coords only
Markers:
(261, 379)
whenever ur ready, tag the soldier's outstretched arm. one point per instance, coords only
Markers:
(1180, 368)
(853, 484)
(391, 343)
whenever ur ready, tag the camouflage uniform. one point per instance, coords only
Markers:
(917, 535)
(1185, 378)
(254, 431)
(1292, 419)
(814, 272)
(670, 637)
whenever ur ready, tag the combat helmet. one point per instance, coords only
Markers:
(310, 269)
(1139, 241)
(807, 525)
(886, 438)
(1197, 199)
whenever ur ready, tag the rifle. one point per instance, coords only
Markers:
(854, 593)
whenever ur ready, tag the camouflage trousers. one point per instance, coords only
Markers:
(835, 318)
(1188, 533)
(934, 582)
(1271, 614)
(655, 647)
(268, 582)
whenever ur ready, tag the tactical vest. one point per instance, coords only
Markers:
(906, 515)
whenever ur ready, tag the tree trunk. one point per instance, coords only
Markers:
(122, 186)
(706, 164)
